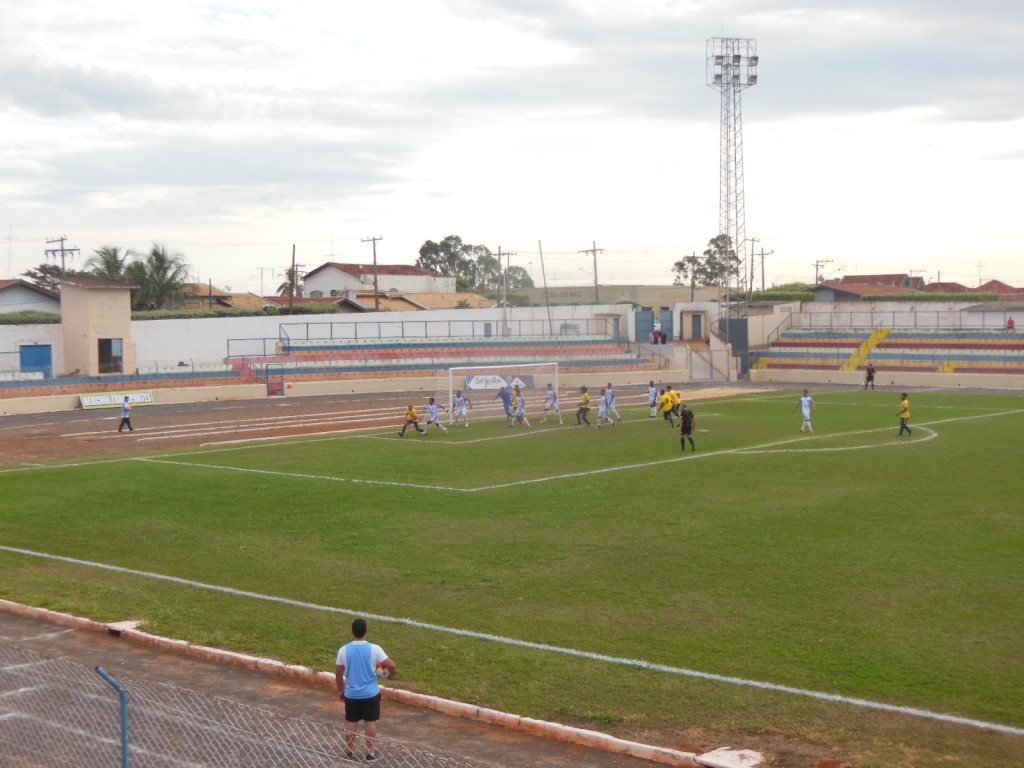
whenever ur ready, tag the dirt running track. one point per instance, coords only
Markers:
(45, 437)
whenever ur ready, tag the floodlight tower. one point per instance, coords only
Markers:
(731, 68)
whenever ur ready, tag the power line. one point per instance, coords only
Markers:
(64, 252)
(595, 250)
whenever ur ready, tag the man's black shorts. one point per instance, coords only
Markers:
(362, 709)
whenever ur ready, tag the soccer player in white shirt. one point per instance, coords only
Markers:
(460, 408)
(602, 409)
(433, 417)
(806, 405)
(519, 414)
(653, 398)
(611, 402)
(551, 404)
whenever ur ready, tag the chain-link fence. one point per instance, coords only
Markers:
(54, 712)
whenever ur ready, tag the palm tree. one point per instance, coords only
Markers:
(110, 262)
(290, 286)
(162, 276)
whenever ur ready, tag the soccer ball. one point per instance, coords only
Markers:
(382, 671)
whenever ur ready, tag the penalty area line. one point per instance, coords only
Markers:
(299, 475)
(545, 647)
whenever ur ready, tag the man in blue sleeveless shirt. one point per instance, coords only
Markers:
(356, 672)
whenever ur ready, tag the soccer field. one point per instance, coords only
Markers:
(846, 592)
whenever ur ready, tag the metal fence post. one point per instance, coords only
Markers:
(124, 712)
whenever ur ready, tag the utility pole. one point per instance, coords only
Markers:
(65, 253)
(504, 289)
(595, 250)
(762, 267)
(817, 269)
(544, 277)
(376, 292)
(750, 271)
(293, 283)
(262, 270)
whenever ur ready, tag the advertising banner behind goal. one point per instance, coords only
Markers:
(484, 381)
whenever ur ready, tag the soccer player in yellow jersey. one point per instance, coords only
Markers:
(675, 397)
(584, 409)
(666, 407)
(904, 414)
(411, 419)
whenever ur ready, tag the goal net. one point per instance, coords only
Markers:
(481, 384)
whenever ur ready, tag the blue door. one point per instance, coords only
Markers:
(36, 357)
(666, 323)
(644, 325)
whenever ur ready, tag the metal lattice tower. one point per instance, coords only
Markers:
(732, 67)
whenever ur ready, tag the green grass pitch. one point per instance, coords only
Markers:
(849, 562)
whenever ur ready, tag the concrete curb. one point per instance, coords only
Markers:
(543, 728)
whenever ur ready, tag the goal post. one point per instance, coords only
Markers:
(484, 381)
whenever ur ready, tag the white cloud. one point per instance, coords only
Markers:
(881, 133)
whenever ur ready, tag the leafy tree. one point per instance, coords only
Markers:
(110, 262)
(48, 276)
(451, 257)
(162, 276)
(474, 267)
(487, 272)
(717, 266)
(518, 277)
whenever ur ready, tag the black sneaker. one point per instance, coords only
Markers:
(370, 757)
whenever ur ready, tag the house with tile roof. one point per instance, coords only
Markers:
(333, 279)
(1006, 292)
(946, 287)
(23, 296)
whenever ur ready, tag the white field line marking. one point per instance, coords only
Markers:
(637, 663)
(70, 464)
(300, 475)
(897, 444)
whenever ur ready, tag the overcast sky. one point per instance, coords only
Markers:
(882, 136)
